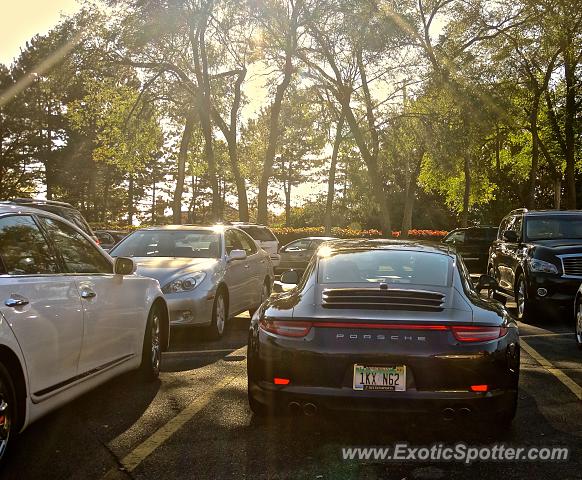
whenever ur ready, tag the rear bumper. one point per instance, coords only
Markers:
(411, 401)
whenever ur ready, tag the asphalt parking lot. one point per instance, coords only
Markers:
(195, 423)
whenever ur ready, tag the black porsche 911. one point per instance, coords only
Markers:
(384, 325)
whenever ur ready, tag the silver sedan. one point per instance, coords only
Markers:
(207, 274)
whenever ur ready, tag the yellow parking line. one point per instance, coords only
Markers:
(556, 372)
(150, 444)
(180, 353)
(563, 334)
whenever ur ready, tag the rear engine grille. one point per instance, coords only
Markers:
(572, 266)
(376, 299)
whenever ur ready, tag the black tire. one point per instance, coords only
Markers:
(8, 411)
(525, 309)
(505, 419)
(151, 358)
(219, 316)
(578, 324)
(265, 292)
(256, 407)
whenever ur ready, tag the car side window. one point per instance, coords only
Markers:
(24, 249)
(517, 224)
(247, 243)
(299, 246)
(232, 241)
(456, 238)
(78, 253)
(465, 276)
(503, 227)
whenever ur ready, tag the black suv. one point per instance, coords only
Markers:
(537, 259)
(62, 209)
(473, 243)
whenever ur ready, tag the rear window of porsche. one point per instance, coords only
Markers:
(386, 266)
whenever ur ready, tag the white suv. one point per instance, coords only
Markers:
(264, 238)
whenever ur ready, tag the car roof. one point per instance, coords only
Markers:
(15, 208)
(365, 244)
(22, 209)
(37, 201)
(315, 238)
(243, 225)
(479, 227)
(213, 228)
(535, 213)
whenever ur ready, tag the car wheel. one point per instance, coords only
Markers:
(505, 418)
(7, 410)
(152, 346)
(579, 324)
(219, 316)
(524, 305)
(256, 407)
(265, 292)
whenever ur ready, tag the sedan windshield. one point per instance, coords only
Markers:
(386, 266)
(170, 243)
(554, 227)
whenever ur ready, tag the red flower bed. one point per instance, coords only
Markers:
(288, 234)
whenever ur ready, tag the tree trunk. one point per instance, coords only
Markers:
(290, 51)
(154, 200)
(288, 205)
(535, 151)
(262, 210)
(327, 222)
(182, 158)
(198, 41)
(410, 195)
(467, 193)
(241, 189)
(569, 125)
(557, 192)
(130, 207)
(371, 162)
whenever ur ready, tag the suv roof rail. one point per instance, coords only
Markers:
(27, 201)
(519, 210)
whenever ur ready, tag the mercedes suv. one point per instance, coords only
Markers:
(537, 259)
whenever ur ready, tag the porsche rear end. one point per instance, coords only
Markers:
(410, 349)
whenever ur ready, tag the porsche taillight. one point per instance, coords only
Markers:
(471, 333)
(285, 328)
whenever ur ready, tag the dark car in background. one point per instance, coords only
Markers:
(62, 209)
(473, 243)
(109, 238)
(537, 259)
(380, 325)
(296, 254)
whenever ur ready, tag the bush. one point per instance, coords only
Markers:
(288, 234)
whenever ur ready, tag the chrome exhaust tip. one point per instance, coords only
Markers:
(465, 412)
(309, 409)
(448, 413)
